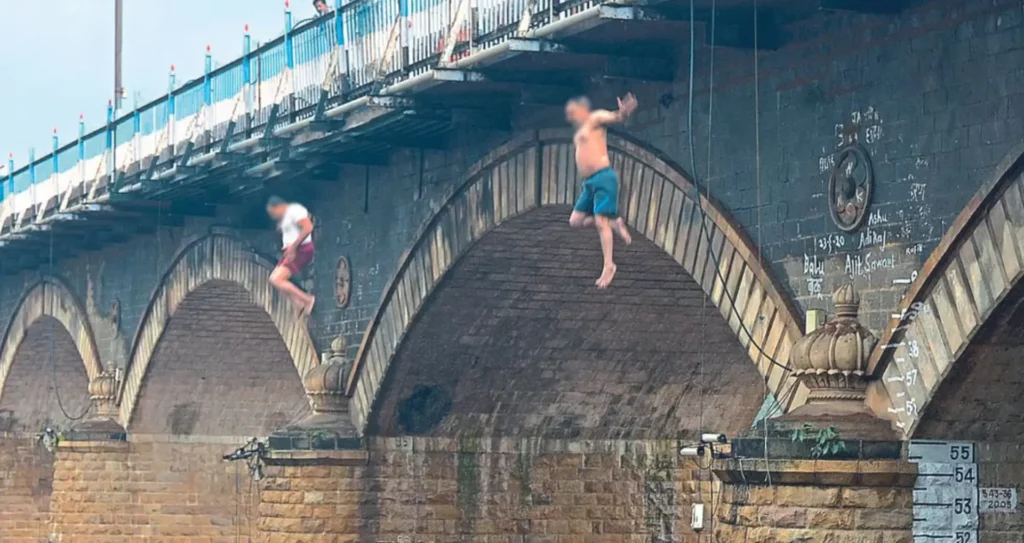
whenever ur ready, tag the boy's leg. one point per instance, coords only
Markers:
(604, 230)
(281, 279)
(606, 211)
(619, 227)
(579, 219)
(583, 212)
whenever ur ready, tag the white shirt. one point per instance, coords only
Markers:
(289, 225)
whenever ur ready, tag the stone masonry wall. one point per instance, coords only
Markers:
(1001, 465)
(933, 94)
(786, 513)
(160, 492)
(441, 490)
(26, 479)
(220, 369)
(46, 364)
(517, 342)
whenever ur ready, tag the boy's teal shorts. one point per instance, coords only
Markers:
(600, 194)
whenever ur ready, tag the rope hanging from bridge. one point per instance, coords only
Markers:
(53, 355)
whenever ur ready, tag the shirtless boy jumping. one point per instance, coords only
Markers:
(599, 203)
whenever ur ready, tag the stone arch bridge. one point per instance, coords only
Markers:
(460, 377)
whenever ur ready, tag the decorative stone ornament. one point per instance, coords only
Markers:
(342, 282)
(103, 424)
(325, 384)
(832, 361)
(850, 187)
(103, 393)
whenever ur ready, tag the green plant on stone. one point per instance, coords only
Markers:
(825, 443)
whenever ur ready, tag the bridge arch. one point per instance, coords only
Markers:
(961, 314)
(656, 199)
(214, 261)
(50, 303)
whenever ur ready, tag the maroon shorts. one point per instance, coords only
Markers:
(303, 256)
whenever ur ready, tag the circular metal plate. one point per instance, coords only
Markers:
(342, 282)
(850, 188)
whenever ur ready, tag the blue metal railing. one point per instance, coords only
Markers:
(345, 45)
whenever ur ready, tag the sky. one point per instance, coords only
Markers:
(57, 57)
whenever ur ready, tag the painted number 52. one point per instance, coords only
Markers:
(964, 537)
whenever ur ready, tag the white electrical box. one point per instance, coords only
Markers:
(697, 519)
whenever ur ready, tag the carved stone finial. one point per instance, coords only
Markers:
(103, 393)
(832, 360)
(325, 384)
(102, 425)
(847, 302)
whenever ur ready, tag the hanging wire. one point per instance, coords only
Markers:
(705, 232)
(53, 355)
(708, 179)
(704, 299)
(757, 177)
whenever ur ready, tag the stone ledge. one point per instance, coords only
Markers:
(780, 446)
(319, 458)
(756, 471)
(94, 445)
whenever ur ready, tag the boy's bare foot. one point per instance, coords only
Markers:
(606, 277)
(619, 226)
(308, 308)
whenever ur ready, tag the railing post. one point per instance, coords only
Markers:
(136, 129)
(111, 142)
(339, 35)
(81, 148)
(247, 78)
(10, 174)
(81, 137)
(170, 111)
(32, 173)
(289, 52)
(207, 68)
(53, 158)
(207, 111)
(403, 36)
(289, 58)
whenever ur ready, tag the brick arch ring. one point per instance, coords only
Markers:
(214, 257)
(977, 262)
(656, 198)
(49, 297)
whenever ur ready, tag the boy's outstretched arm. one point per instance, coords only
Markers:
(627, 105)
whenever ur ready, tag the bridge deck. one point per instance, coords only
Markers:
(346, 87)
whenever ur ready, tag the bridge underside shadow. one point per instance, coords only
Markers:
(981, 398)
(517, 341)
(220, 368)
(46, 364)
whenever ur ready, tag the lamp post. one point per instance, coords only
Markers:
(118, 6)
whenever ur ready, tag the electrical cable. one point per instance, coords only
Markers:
(53, 356)
(705, 232)
(704, 299)
(757, 176)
